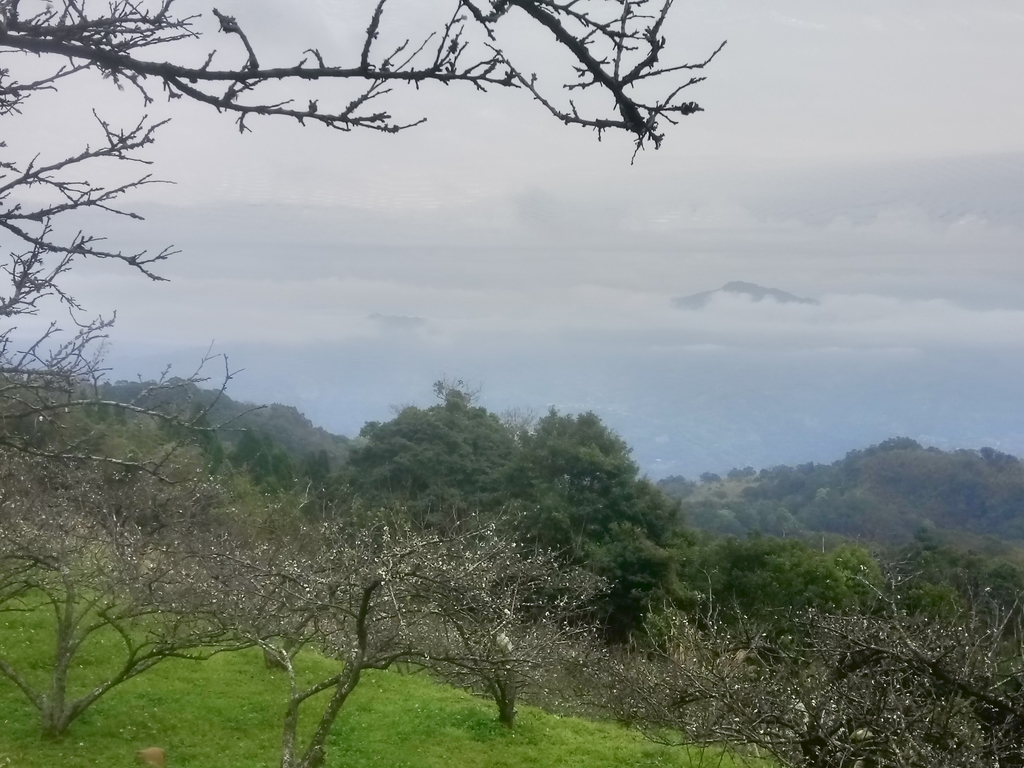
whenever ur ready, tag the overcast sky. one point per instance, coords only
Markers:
(869, 155)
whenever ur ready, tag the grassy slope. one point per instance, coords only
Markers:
(226, 713)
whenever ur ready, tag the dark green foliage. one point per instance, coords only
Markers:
(885, 493)
(317, 468)
(943, 576)
(193, 428)
(582, 495)
(268, 465)
(641, 576)
(737, 519)
(770, 580)
(436, 463)
(572, 481)
(582, 484)
(290, 429)
(677, 486)
(737, 474)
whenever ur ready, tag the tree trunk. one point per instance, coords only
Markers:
(54, 714)
(52, 720)
(504, 690)
(507, 712)
(315, 752)
(291, 725)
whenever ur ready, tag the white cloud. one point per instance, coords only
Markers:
(295, 312)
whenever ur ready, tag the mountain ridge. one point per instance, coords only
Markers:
(285, 424)
(741, 288)
(886, 493)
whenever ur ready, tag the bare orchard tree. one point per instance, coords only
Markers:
(89, 551)
(337, 590)
(515, 625)
(369, 597)
(340, 591)
(617, 48)
(884, 688)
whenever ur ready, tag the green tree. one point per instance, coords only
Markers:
(582, 496)
(268, 465)
(436, 462)
(941, 577)
(317, 468)
(583, 485)
(771, 579)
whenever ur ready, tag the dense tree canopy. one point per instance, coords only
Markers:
(771, 580)
(582, 495)
(886, 493)
(570, 482)
(438, 462)
(583, 485)
(270, 466)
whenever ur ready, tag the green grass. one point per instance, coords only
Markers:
(226, 713)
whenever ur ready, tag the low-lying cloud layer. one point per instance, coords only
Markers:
(336, 310)
(908, 268)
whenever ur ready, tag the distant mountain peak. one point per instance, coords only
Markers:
(738, 287)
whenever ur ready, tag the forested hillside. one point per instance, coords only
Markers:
(289, 429)
(438, 459)
(885, 493)
(569, 484)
